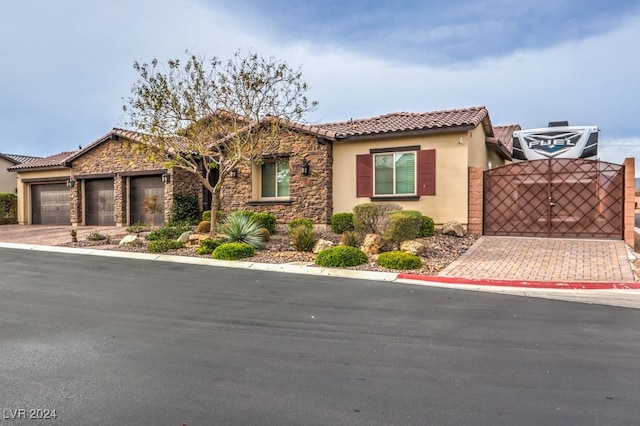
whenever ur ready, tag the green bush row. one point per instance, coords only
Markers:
(164, 245)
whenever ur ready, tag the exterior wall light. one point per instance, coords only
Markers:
(306, 170)
(234, 173)
(71, 182)
(166, 178)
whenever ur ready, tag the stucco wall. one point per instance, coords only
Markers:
(452, 162)
(7, 179)
(24, 189)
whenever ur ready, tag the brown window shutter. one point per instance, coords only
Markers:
(364, 175)
(427, 172)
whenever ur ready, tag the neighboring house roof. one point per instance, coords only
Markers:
(505, 134)
(56, 161)
(17, 158)
(406, 122)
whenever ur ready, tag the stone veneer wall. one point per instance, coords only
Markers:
(109, 157)
(310, 196)
(182, 182)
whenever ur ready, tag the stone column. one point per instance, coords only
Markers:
(475, 202)
(120, 200)
(76, 204)
(629, 200)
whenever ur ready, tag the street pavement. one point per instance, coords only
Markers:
(106, 340)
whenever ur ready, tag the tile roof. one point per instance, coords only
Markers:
(407, 122)
(56, 161)
(17, 158)
(505, 134)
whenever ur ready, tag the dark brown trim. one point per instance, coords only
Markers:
(270, 203)
(396, 149)
(143, 172)
(96, 176)
(396, 198)
(277, 156)
(46, 180)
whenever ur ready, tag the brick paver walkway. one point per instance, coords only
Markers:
(543, 259)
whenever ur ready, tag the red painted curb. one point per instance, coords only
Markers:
(558, 285)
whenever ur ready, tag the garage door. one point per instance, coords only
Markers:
(99, 202)
(147, 200)
(50, 204)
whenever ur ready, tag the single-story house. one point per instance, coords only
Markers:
(418, 160)
(8, 178)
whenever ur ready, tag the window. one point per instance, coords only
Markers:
(275, 179)
(395, 173)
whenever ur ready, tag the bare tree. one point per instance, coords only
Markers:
(202, 115)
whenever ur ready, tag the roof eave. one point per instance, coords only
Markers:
(403, 133)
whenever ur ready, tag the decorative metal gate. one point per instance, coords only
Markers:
(574, 198)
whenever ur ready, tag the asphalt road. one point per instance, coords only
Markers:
(121, 342)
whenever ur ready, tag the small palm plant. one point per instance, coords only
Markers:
(242, 228)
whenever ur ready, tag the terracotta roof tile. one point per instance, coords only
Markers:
(406, 121)
(505, 134)
(56, 161)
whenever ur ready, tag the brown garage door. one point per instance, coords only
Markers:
(574, 198)
(147, 200)
(50, 204)
(99, 202)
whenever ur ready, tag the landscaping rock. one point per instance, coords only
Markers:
(321, 245)
(454, 228)
(184, 238)
(413, 247)
(130, 241)
(372, 244)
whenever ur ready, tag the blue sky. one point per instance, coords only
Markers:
(67, 65)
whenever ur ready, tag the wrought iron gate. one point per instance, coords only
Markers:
(574, 198)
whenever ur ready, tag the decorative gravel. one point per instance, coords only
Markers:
(441, 250)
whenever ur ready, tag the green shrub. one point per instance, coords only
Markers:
(342, 222)
(267, 220)
(372, 218)
(243, 228)
(168, 231)
(96, 236)
(207, 246)
(164, 245)
(351, 238)
(186, 208)
(403, 225)
(204, 227)
(301, 221)
(428, 227)
(303, 238)
(233, 251)
(206, 215)
(399, 260)
(8, 208)
(138, 227)
(341, 256)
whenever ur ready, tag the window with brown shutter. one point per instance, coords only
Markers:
(364, 175)
(427, 172)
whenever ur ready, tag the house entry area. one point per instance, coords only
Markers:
(570, 198)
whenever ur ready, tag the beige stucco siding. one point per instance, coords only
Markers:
(452, 162)
(24, 189)
(7, 179)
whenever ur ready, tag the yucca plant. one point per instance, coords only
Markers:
(242, 228)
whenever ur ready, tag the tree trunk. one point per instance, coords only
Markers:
(215, 206)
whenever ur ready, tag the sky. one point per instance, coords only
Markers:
(67, 65)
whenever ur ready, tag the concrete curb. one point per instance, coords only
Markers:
(612, 294)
